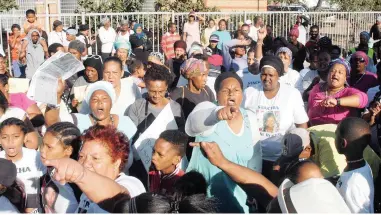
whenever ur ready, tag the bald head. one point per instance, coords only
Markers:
(352, 136)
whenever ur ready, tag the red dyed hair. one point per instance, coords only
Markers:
(116, 142)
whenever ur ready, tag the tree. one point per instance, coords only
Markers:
(103, 6)
(183, 6)
(6, 5)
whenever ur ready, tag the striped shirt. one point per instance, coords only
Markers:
(167, 42)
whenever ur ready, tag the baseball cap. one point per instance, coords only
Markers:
(248, 22)
(293, 142)
(214, 37)
(192, 14)
(315, 195)
(72, 32)
(8, 172)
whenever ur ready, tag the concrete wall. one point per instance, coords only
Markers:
(238, 5)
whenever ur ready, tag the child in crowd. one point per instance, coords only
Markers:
(136, 67)
(166, 157)
(31, 22)
(27, 161)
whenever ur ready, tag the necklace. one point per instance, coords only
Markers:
(326, 92)
(359, 79)
(94, 121)
(355, 161)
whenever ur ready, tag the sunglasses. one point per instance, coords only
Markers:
(361, 60)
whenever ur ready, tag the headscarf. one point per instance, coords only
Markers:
(274, 62)
(366, 35)
(284, 50)
(226, 75)
(140, 35)
(159, 56)
(94, 61)
(360, 54)
(29, 37)
(123, 44)
(342, 62)
(195, 48)
(192, 67)
(294, 32)
(100, 85)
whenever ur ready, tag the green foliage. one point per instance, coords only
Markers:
(116, 6)
(183, 6)
(358, 5)
(6, 5)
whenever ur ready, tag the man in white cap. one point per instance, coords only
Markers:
(375, 31)
(258, 22)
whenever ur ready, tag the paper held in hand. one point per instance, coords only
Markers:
(144, 145)
(43, 87)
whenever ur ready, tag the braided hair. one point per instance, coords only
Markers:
(68, 134)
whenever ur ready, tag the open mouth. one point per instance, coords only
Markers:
(231, 102)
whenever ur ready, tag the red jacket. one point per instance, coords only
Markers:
(163, 184)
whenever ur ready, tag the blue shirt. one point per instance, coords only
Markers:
(224, 37)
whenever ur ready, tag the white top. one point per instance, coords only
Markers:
(254, 32)
(6, 207)
(193, 33)
(304, 71)
(129, 92)
(132, 184)
(291, 77)
(357, 189)
(302, 35)
(29, 169)
(57, 37)
(275, 116)
(305, 81)
(248, 78)
(13, 112)
(125, 37)
(207, 33)
(107, 38)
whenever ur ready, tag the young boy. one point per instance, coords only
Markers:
(27, 161)
(31, 22)
(167, 153)
(137, 70)
(356, 182)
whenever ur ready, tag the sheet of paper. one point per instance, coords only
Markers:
(144, 145)
(80, 92)
(43, 87)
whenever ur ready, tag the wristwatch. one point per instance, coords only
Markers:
(53, 106)
(338, 101)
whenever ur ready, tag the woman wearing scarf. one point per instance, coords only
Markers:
(236, 132)
(140, 35)
(196, 91)
(93, 73)
(101, 97)
(364, 47)
(33, 50)
(334, 100)
(123, 52)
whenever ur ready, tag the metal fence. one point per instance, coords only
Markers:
(342, 27)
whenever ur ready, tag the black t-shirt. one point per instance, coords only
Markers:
(189, 100)
(375, 31)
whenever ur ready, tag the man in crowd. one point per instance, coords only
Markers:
(258, 22)
(175, 63)
(312, 44)
(83, 36)
(212, 48)
(125, 32)
(168, 40)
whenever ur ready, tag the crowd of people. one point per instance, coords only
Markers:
(248, 122)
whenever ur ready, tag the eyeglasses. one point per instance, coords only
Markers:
(361, 60)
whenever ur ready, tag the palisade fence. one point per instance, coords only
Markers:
(342, 27)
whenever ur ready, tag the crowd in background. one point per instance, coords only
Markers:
(260, 123)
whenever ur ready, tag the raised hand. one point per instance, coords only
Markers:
(66, 170)
(212, 152)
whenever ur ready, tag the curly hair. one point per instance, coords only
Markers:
(158, 73)
(116, 142)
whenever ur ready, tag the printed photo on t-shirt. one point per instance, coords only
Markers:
(49, 197)
(268, 121)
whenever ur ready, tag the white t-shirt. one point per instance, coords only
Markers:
(275, 116)
(305, 81)
(254, 32)
(13, 112)
(302, 35)
(64, 200)
(249, 79)
(129, 92)
(29, 169)
(107, 38)
(57, 37)
(290, 78)
(6, 207)
(132, 184)
(125, 37)
(357, 189)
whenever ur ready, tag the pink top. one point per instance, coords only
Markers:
(321, 115)
(367, 81)
(20, 100)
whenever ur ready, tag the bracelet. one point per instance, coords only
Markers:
(53, 106)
